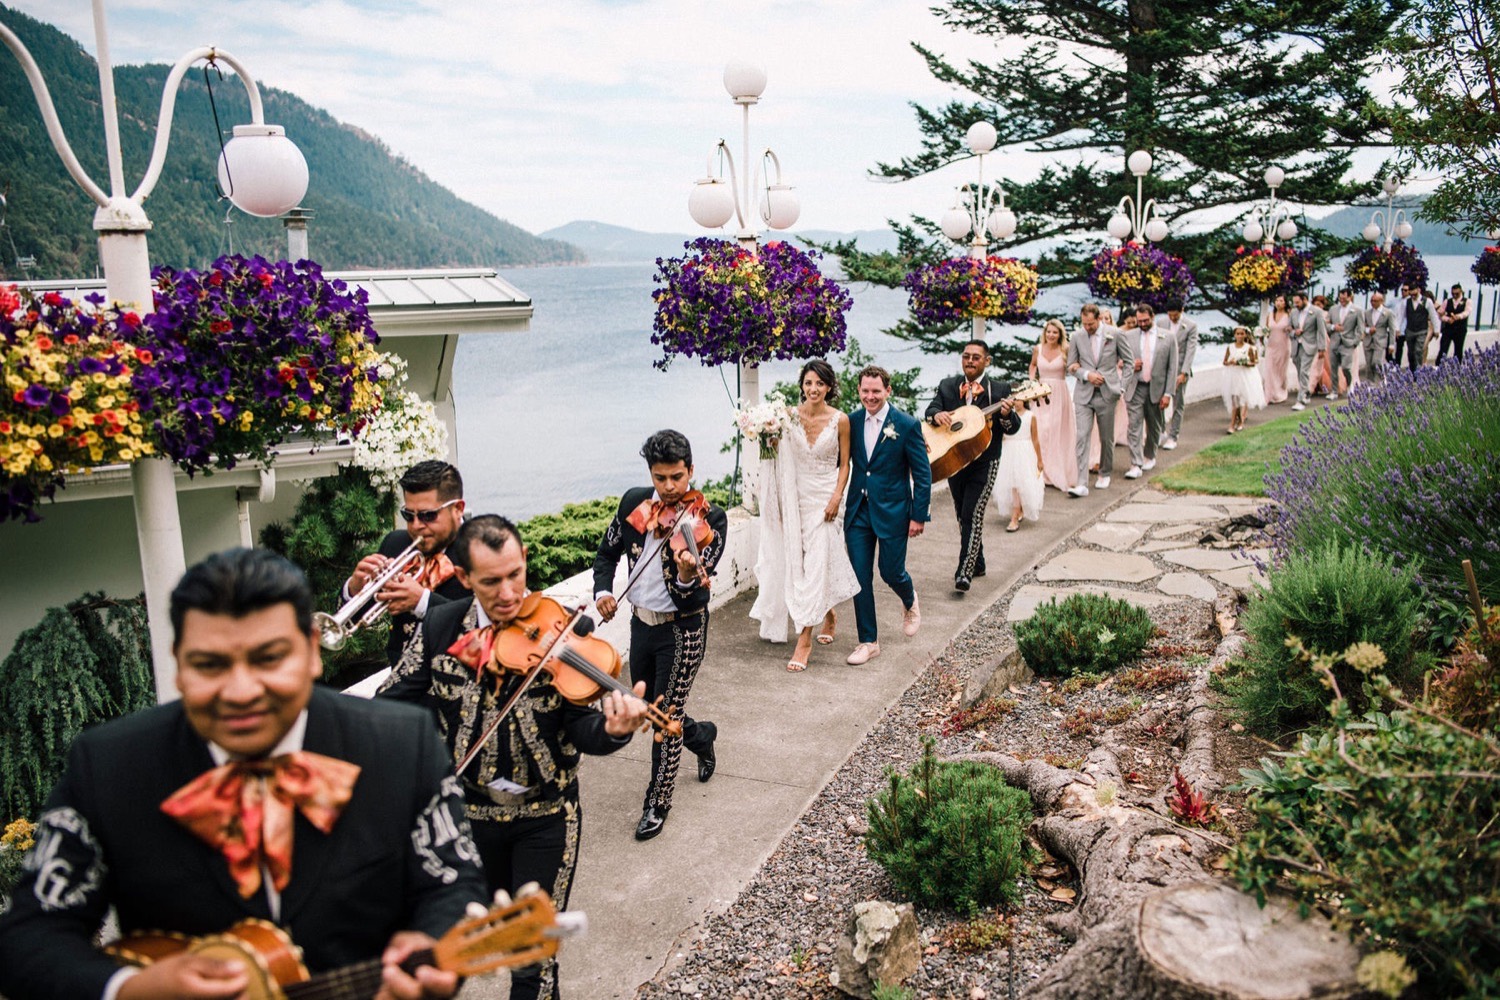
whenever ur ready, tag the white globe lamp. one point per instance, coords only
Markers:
(1119, 226)
(1002, 224)
(1371, 233)
(1287, 230)
(1254, 232)
(1156, 230)
(262, 171)
(711, 203)
(1139, 163)
(955, 223)
(744, 81)
(780, 207)
(1403, 229)
(981, 137)
(1274, 177)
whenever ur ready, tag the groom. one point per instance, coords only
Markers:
(890, 484)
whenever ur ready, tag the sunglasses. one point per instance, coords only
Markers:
(426, 516)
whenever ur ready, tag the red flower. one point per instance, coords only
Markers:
(70, 339)
(129, 320)
(52, 299)
(216, 279)
(44, 343)
(4, 426)
(266, 281)
(219, 326)
(144, 356)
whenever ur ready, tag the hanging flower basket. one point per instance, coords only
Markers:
(720, 303)
(960, 288)
(1375, 270)
(1134, 273)
(250, 352)
(405, 429)
(1486, 266)
(1258, 273)
(67, 404)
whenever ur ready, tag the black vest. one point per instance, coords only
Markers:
(1450, 307)
(1416, 317)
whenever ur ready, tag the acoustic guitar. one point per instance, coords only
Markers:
(966, 438)
(522, 933)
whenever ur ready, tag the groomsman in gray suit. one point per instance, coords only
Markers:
(1094, 357)
(1380, 339)
(1348, 322)
(1150, 382)
(1309, 339)
(1186, 332)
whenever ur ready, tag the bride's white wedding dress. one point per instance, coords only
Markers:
(802, 566)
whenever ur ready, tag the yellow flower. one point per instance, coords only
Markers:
(56, 431)
(18, 834)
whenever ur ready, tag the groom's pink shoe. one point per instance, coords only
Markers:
(912, 620)
(863, 653)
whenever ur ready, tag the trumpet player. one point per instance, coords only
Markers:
(432, 506)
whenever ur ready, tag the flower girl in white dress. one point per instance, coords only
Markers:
(1018, 479)
(1242, 384)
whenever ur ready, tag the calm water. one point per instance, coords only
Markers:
(558, 414)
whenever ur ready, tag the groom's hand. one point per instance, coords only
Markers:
(915, 529)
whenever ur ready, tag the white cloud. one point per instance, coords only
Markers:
(547, 112)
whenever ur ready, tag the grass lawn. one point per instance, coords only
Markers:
(1236, 465)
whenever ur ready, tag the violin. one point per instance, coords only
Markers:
(686, 525)
(547, 637)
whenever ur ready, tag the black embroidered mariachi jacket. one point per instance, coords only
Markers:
(538, 745)
(624, 538)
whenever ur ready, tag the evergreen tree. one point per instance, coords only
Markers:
(1215, 90)
(1446, 112)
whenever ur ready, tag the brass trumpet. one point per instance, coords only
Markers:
(334, 630)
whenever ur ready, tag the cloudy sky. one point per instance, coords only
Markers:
(547, 112)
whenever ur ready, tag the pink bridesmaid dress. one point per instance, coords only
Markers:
(1278, 356)
(1055, 427)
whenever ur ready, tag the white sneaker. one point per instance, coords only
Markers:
(912, 619)
(1134, 472)
(1150, 464)
(1169, 444)
(1079, 491)
(1333, 395)
(1299, 405)
(1102, 483)
(863, 653)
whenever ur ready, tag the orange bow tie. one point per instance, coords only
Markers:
(474, 648)
(244, 810)
(435, 571)
(973, 389)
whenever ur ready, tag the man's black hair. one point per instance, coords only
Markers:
(1174, 304)
(976, 343)
(1144, 307)
(490, 529)
(424, 477)
(239, 582)
(667, 448)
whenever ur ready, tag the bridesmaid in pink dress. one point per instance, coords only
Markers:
(1278, 351)
(1056, 431)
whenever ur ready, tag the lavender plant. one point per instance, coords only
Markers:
(1407, 469)
(720, 303)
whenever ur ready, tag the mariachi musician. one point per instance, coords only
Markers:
(669, 604)
(970, 486)
(164, 816)
(432, 505)
(518, 762)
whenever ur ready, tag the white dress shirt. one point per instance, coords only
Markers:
(1148, 349)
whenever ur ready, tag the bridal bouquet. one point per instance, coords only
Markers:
(764, 423)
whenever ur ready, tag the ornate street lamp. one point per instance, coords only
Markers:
(977, 209)
(264, 174)
(1135, 219)
(1390, 225)
(1269, 223)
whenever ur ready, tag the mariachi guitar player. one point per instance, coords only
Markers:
(255, 795)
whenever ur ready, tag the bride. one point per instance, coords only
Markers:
(802, 566)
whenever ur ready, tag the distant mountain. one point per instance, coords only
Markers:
(1430, 238)
(617, 244)
(371, 209)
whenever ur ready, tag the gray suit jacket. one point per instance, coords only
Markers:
(1187, 342)
(1113, 349)
(1163, 365)
(1380, 332)
(1351, 327)
(1310, 327)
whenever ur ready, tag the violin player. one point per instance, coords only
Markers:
(669, 604)
(970, 486)
(521, 788)
(361, 853)
(432, 505)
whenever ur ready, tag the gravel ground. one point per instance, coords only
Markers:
(777, 939)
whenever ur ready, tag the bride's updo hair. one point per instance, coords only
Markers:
(825, 374)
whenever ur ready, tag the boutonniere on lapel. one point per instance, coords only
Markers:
(1109, 338)
(888, 432)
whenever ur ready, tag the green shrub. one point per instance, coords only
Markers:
(1393, 839)
(1084, 633)
(1329, 599)
(82, 664)
(562, 544)
(952, 834)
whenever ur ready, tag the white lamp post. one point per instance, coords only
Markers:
(714, 202)
(979, 210)
(268, 175)
(1135, 219)
(1390, 225)
(1269, 223)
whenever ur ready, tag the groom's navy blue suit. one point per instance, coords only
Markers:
(887, 491)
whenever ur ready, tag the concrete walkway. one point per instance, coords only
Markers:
(782, 736)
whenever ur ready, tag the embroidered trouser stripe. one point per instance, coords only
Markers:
(667, 658)
(971, 488)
